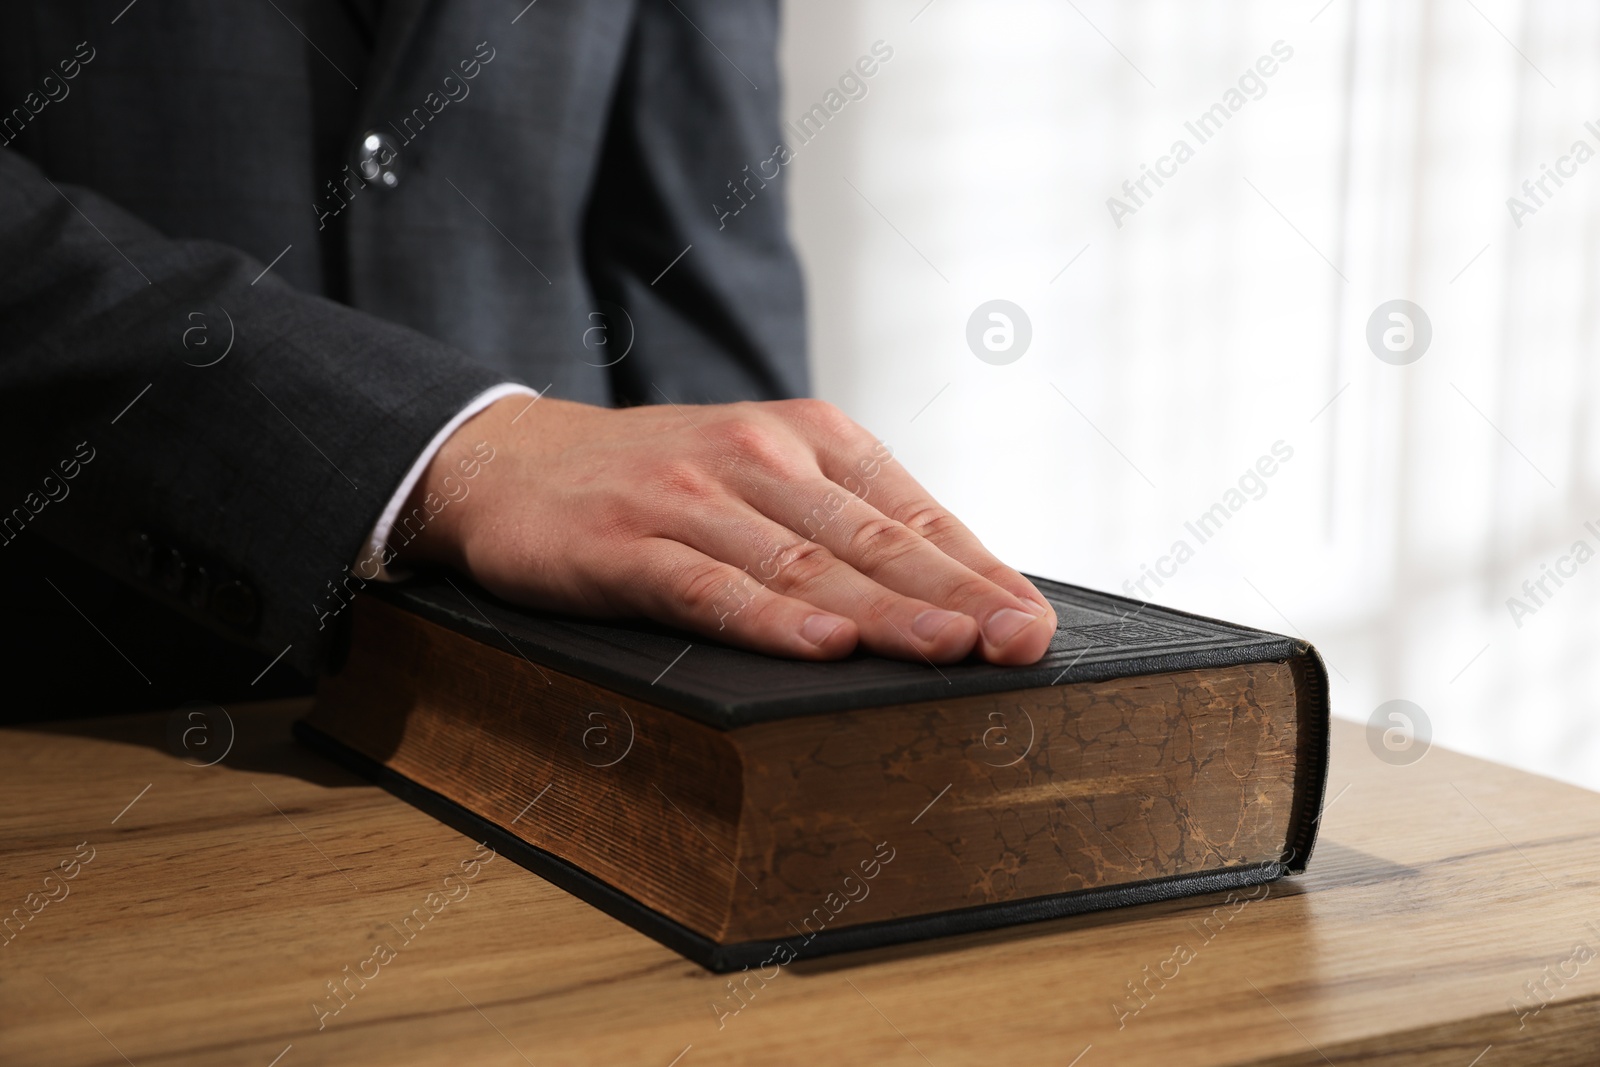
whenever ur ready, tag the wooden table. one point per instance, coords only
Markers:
(217, 903)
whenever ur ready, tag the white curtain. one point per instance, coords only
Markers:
(1355, 152)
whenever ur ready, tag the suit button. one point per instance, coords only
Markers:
(234, 603)
(141, 553)
(379, 159)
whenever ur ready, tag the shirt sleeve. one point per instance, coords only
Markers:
(370, 565)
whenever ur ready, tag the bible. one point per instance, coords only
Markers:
(745, 810)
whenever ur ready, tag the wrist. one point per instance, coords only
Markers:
(430, 528)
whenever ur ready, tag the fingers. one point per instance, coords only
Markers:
(722, 520)
(1012, 629)
(851, 457)
(680, 585)
(776, 558)
(898, 495)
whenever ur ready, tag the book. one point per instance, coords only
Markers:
(748, 811)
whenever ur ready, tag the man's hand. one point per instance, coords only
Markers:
(782, 527)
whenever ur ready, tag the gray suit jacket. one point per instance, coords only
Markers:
(450, 194)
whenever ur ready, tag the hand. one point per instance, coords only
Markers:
(781, 527)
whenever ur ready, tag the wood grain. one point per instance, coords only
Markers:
(218, 906)
(787, 828)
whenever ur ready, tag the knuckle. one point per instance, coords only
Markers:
(823, 416)
(752, 440)
(888, 605)
(701, 584)
(931, 521)
(765, 612)
(803, 565)
(969, 590)
(679, 479)
(881, 540)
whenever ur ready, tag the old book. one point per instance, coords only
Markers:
(746, 811)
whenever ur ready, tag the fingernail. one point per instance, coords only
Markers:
(1005, 624)
(1034, 607)
(818, 628)
(932, 622)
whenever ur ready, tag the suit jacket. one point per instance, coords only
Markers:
(254, 255)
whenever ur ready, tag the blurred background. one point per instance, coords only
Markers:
(1180, 338)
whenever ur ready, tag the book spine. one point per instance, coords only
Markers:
(1313, 721)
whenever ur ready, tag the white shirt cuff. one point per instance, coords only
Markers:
(370, 566)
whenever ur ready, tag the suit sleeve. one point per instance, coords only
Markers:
(173, 414)
(693, 128)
